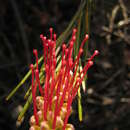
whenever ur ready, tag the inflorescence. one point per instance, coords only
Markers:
(53, 107)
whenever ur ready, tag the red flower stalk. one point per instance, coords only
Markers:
(33, 95)
(60, 88)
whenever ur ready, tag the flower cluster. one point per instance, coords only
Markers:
(53, 107)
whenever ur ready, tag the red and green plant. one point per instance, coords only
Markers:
(58, 75)
(53, 107)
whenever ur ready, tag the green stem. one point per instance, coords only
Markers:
(79, 106)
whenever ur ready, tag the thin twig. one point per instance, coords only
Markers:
(111, 25)
(118, 33)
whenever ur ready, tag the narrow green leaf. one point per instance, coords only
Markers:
(25, 108)
(79, 106)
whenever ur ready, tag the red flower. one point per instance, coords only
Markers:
(60, 88)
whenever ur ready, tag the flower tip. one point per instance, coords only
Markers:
(54, 36)
(71, 44)
(31, 66)
(81, 51)
(41, 36)
(73, 38)
(44, 38)
(63, 46)
(35, 51)
(66, 52)
(86, 37)
(49, 41)
(96, 52)
(37, 71)
(74, 30)
(90, 63)
(51, 29)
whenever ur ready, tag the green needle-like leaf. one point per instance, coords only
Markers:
(25, 108)
(79, 106)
